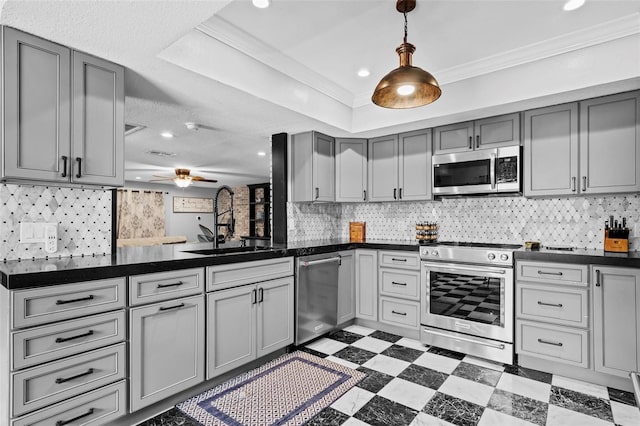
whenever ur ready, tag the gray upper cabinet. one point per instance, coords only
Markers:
(312, 167)
(63, 119)
(610, 144)
(351, 170)
(551, 150)
(492, 132)
(400, 167)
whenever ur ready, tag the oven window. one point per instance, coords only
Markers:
(463, 173)
(467, 297)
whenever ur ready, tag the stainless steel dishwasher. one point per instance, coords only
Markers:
(316, 295)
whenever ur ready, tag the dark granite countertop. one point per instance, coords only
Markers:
(580, 256)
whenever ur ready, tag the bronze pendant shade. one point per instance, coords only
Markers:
(406, 86)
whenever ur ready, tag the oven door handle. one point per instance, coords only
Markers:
(492, 171)
(458, 268)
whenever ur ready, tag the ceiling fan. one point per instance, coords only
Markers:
(183, 178)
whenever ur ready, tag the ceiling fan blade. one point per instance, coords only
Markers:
(201, 179)
(161, 180)
(164, 177)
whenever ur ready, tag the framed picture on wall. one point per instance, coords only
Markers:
(192, 205)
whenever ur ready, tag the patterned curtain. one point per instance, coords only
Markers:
(141, 214)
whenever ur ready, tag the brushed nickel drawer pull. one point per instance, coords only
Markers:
(260, 295)
(170, 285)
(82, 299)
(549, 273)
(404, 314)
(546, 342)
(555, 305)
(395, 259)
(597, 277)
(66, 422)
(79, 174)
(79, 336)
(168, 308)
(77, 376)
(397, 283)
(64, 166)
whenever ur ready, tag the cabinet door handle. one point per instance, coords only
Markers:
(598, 278)
(404, 314)
(584, 183)
(82, 299)
(547, 342)
(470, 142)
(79, 174)
(78, 336)
(168, 308)
(66, 422)
(477, 141)
(573, 184)
(549, 273)
(395, 192)
(254, 296)
(555, 305)
(64, 166)
(400, 194)
(170, 285)
(317, 193)
(364, 195)
(397, 283)
(77, 376)
(260, 295)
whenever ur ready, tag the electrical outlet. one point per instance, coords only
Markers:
(51, 237)
(635, 232)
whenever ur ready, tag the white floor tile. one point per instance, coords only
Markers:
(327, 346)
(372, 344)
(424, 419)
(466, 389)
(624, 414)
(352, 421)
(558, 416)
(387, 365)
(483, 363)
(495, 418)
(358, 329)
(523, 386)
(353, 400)
(580, 386)
(344, 362)
(407, 393)
(413, 344)
(437, 362)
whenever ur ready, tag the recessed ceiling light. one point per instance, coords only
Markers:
(138, 178)
(262, 153)
(573, 5)
(166, 134)
(261, 4)
(363, 72)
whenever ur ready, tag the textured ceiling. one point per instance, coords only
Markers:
(244, 74)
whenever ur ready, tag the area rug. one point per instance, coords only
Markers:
(289, 390)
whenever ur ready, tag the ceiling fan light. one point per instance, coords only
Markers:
(261, 4)
(182, 182)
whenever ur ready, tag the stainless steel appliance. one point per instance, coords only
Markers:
(467, 298)
(484, 171)
(316, 295)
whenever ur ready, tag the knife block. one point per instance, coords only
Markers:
(616, 240)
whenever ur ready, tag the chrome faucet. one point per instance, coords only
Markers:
(231, 225)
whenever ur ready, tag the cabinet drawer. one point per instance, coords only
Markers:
(93, 408)
(555, 343)
(556, 273)
(399, 259)
(560, 305)
(400, 283)
(49, 342)
(403, 313)
(57, 381)
(44, 305)
(160, 286)
(234, 274)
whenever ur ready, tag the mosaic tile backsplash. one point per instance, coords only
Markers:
(576, 221)
(83, 217)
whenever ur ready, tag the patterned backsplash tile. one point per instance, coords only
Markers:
(83, 217)
(577, 221)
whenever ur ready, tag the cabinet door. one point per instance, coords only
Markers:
(616, 331)
(453, 138)
(383, 168)
(610, 144)
(551, 150)
(493, 132)
(231, 331)
(36, 109)
(414, 168)
(323, 168)
(367, 284)
(274, 315)
(346, 287)
(351, 170)
(98, 121)
(166, 349)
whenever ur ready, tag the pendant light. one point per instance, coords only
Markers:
(406, 86)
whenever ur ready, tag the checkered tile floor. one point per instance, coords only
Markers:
(410, 384)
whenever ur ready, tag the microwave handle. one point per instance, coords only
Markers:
(492, 171)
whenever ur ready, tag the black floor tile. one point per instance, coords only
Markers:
(344, 336)
(383, 412)
(423, 376)
(478, 374)
(403, 353)
(387, 337)
(529, 373)
(454, 410)
(356, 355)
(172, 417)
(446, 352)
(581, 403)
(374, 381)
(622, 396)
(328, 417)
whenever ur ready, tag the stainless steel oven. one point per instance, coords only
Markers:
(467, 300)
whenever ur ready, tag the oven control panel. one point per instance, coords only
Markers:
(468, 254)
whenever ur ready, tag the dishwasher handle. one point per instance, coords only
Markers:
(320, 261)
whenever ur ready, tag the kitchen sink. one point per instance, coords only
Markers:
(228, 250)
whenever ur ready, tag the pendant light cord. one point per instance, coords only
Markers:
(405, 24)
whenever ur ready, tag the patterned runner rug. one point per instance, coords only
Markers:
(289, 390)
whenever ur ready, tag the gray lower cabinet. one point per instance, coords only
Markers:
(346, 287)
(166, 349)
(616, 329)
(367, 284)
(247, 322)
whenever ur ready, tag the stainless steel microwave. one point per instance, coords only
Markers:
(484, 171)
